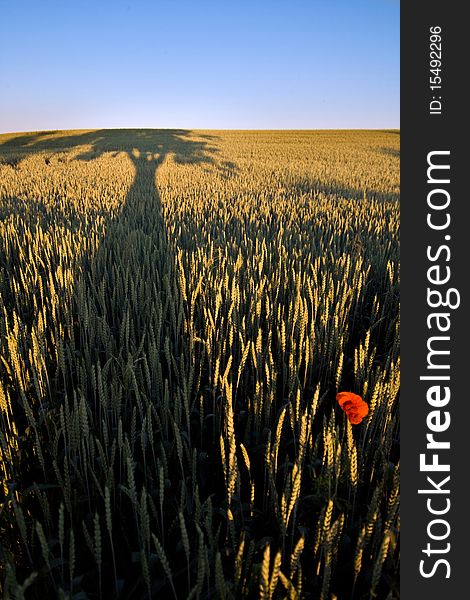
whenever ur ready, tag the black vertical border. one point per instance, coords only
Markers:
(420, 134)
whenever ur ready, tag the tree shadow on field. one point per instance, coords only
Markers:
(135, 243)
(127, 308)
(148, 149)
(141, 213)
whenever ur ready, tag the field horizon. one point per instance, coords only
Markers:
(200, 129)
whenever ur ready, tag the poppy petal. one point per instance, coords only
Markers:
(353, 405)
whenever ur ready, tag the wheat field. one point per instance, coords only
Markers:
(178, 310)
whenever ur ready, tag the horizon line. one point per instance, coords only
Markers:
(286, 129)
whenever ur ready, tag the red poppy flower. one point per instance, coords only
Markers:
(353, 405)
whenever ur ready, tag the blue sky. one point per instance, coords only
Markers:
(308, 64)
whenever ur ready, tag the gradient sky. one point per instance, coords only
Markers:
(308, 64)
